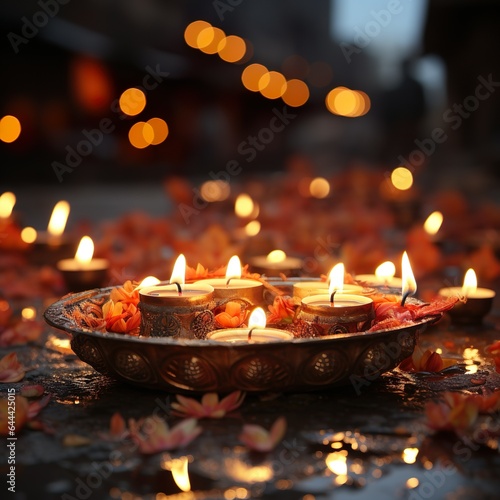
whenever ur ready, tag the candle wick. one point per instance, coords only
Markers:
(405, 296)
(179, 289)
(332, 296)
(228, 280)
(249, 338)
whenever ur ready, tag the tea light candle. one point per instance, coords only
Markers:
(233, 286)
(337, 313)
(383, 277)
(275, 263)
(176, 309)
(478, 300)
(335, 277)
(83, 272)
(256, 332)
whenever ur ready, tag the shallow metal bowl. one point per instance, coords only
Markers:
(196, 366)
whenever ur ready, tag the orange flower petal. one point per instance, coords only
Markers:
(10, 369)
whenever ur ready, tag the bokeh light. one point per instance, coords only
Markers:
(346, 102)
(10, 128)
(28, 234)
(244, 205)
(160, 130)
(319, 188)
(232, 49)
(215, 190)
(402, 178)
(132, 101)
(192, 32)
(296, 93)
(253, 228)
(272, 85)
(209, 39)
(141, 135)
(251, 76)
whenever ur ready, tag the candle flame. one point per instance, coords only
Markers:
(336, 278)
(147, 281)
(85, 250)
(470, 282)
(433, 223)
(386, 270)
(179, 271)
(257, 319)
(276, 256)
(58, 219)
(409, 283)
(180, 473)
(233, 268)
(7, 202)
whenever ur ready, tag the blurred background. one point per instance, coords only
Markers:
(376, 83)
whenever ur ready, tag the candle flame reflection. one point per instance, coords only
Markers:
(257, 319)
(470, 282)
(409, 283)
(58, 219)
(179, 468)
(433, 223)
(85, 250)
(179, 271)
(276, 256)
(233, 268)
(336, 278)
(386, 270)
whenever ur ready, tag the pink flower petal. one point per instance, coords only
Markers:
(32, 391)
(257, 438)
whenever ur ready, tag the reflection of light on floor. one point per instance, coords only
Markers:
(241, 471)
(410, 455)
(233, 493)
(180, 473)
(61, 345)
(337, 462)
(471, 358)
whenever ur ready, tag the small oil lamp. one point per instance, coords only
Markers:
(233, 286)
(477, 304)
(305, 288)
(336, 312)
(256, 332)
(84, 272)
(177, 310)
(53, 245)
(276, 263)
(383, 278)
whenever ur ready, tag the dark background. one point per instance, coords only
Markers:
(412, 77)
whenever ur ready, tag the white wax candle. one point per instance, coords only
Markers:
(234, 283)
(261, 261)
(374, 280)
(77, 265)
(306, 288)
(259, 335)
(339, 300)
(171, 291)
(479, 293)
